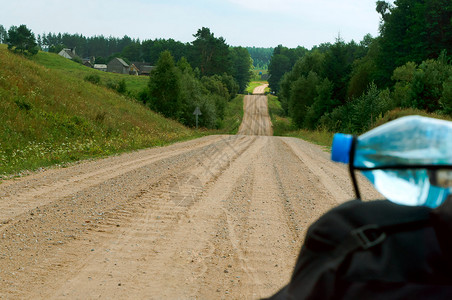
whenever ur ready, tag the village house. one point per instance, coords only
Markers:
(68, 53)
(118, 65)
(89, 61)
(100, 67)
(143, 68)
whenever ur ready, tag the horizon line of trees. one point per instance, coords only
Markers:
(349, 87)
(106, 48)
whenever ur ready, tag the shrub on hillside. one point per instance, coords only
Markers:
(119, 86)
(93, 78)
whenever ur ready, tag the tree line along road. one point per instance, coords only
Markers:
(217, 217)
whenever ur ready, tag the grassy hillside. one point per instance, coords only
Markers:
(53, 61)
(49, 115)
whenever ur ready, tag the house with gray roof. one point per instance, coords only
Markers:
(118, 65)
(68, 53)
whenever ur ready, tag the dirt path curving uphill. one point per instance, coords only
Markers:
(216, 217)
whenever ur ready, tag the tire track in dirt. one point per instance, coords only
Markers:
(256, 120)
(158, 240)
(255, 234)
(40, 194)
(33, 236)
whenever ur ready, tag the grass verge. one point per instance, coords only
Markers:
(320, 137)
(233, 116)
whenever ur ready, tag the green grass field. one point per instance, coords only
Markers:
(52, 61)
(49, 115)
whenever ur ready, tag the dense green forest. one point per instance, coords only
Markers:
(351, 86)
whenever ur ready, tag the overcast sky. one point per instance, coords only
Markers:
(260, 23)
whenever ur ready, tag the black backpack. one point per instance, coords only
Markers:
(375, 250)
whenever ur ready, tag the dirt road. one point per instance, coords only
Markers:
(256, 120)
(260, 90)
(221, 217)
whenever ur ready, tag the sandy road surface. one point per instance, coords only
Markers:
(256, 120)
(221, 217)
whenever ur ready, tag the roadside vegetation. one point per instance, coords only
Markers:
(283, 126)
(258, 74)
(175, 90)
(51, 117)
(233, 116)
(353, 87)
(261, 57)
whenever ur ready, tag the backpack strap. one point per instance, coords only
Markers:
(371, 235)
